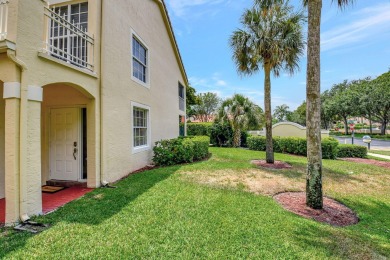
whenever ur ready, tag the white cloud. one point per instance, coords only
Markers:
(369, 23)
(182, 8)
(221, 83)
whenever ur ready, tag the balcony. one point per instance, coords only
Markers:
(3, 19)
(67, 37)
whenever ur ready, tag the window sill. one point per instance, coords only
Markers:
(146, 85)
(140, 149)
(46, 56)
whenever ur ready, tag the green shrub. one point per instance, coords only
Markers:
(329, 148)
(257, 143)
(349, 150)
(201, 147)
(180, 150)
(244, 138)
(293, 145)
(199, 128)
(221, 135)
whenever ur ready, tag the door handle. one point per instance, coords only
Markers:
(74, 153)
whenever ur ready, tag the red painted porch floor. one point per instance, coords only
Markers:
(52, 201)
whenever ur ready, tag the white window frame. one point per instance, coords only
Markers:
(148, 131)
(147, 76)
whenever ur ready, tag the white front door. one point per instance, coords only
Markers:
(65, 126)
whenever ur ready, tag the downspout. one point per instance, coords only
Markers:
(11, 54)
(103, 182)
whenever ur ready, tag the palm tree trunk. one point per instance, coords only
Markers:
(268, 115)
(313, 110)
(237, 137)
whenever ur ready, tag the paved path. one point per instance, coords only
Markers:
(379, 156)
(375, 144)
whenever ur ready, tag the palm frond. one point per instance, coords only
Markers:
(271, 33)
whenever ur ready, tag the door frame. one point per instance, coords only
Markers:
(79, 141)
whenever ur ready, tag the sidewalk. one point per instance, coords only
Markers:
(379, 156)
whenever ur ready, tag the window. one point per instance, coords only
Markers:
(141, 127)
(181, 97)
(67, 37)
(140, 60)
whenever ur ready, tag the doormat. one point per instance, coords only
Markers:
(51, 189)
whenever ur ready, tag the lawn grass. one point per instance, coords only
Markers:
(380, 152)
(215, 209)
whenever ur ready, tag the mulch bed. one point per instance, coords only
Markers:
(368, 161)
(276, 165)
(333, 212)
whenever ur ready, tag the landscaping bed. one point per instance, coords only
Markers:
(333, 212)
(384, 164)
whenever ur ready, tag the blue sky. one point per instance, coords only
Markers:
(355, 44)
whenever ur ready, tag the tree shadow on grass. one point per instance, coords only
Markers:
(94, 208)
(366, 240)
(103, 203)
(299, 171)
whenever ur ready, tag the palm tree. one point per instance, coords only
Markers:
(314, 197)
(240, 113)
(281, 112)
(271, 39)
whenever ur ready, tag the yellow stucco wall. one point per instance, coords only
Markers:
(9, 72)
(38, 72)
(119, 90)
(2, 144)
(107, 93)
(288, 130)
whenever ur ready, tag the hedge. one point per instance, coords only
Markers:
(199, 129)
(221, 134)
(293, 145)
(201, 146)
(180, 150)
(349, 150)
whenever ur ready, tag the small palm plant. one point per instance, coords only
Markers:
(271, 39)
(240, 113)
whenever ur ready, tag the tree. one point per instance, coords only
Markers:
(271, 39)
(240, 113)
(380, 94)
(191, 100)
(365, 104)
(314, 197)
(344, 101)
(207, 104)
(298, 115)
(282, 112)
(327, 114)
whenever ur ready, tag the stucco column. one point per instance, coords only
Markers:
(93, 145)
(11, 163)
(30, 182)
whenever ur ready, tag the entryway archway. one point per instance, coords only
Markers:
(65, 124)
